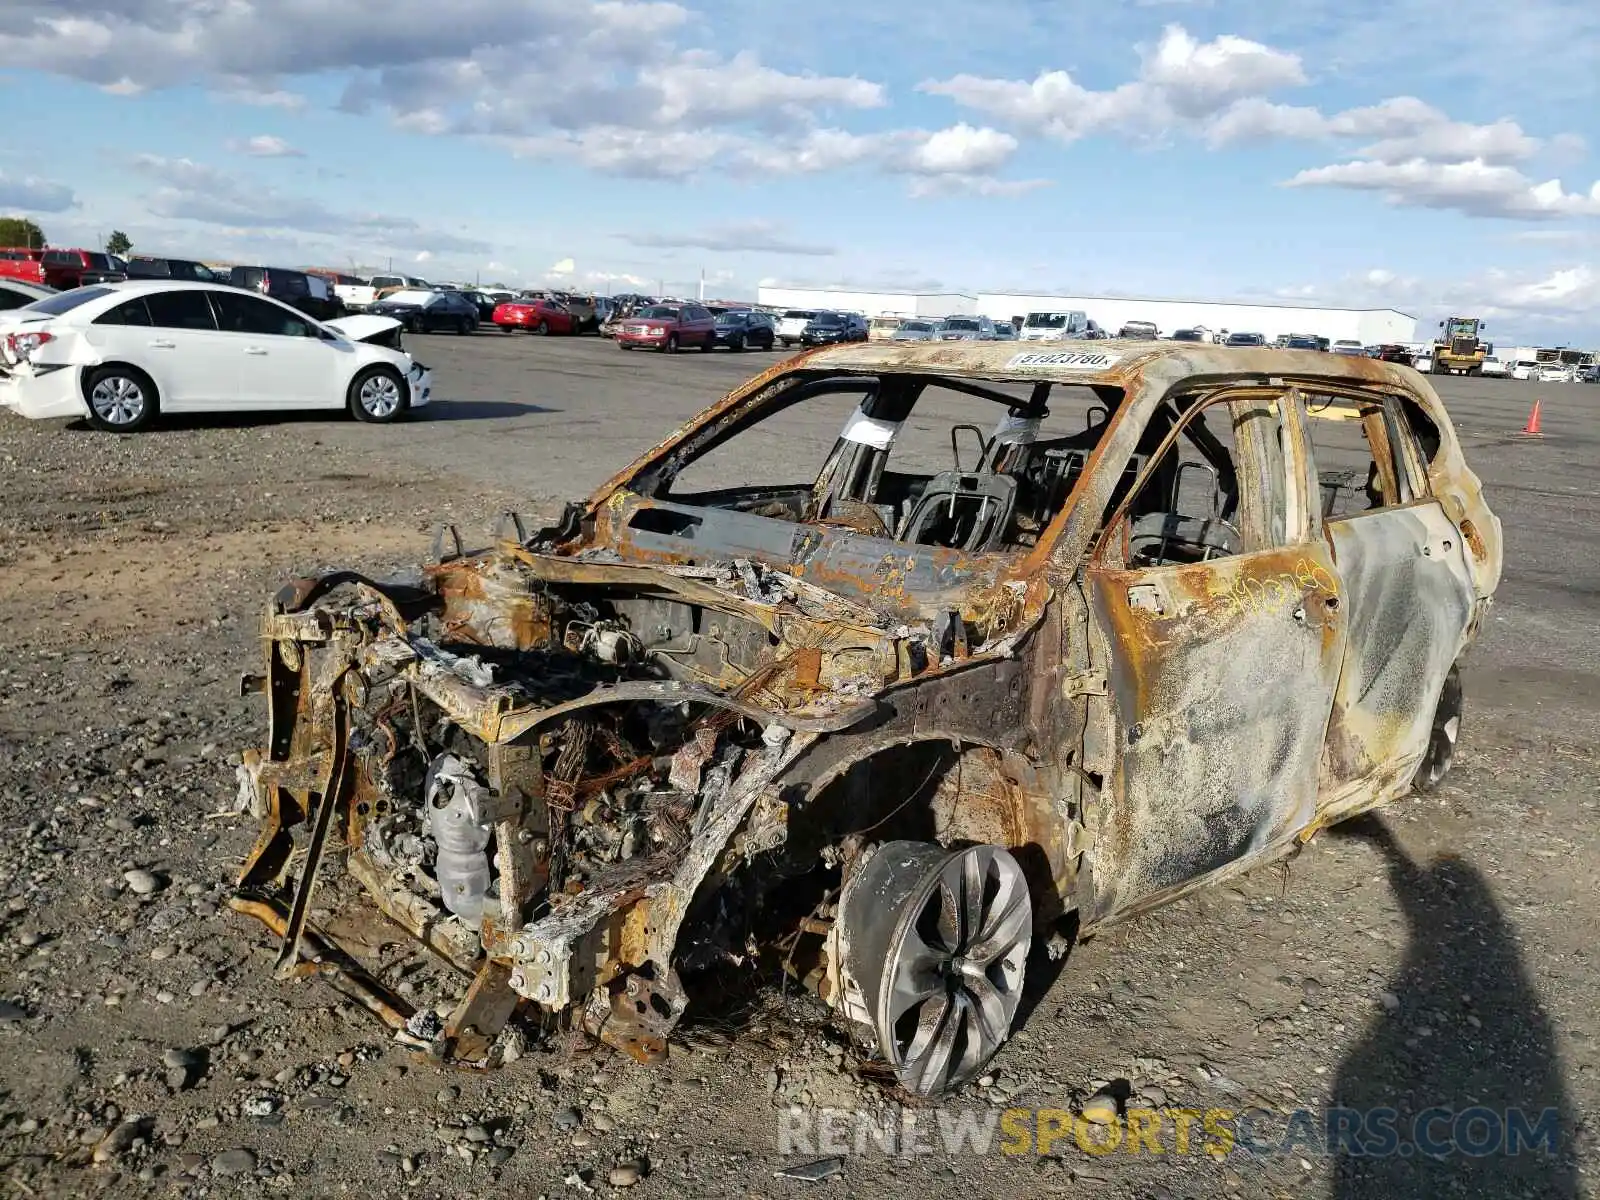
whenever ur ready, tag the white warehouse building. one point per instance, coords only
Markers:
(1369, 326)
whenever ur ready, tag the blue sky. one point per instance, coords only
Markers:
(1410, 153)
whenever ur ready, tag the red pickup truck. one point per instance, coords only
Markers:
(60, 269)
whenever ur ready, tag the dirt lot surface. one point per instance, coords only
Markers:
(1442, 954)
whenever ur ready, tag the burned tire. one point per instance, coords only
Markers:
(1446, 728)
(121, 399)
(379, 396)
(936, 942)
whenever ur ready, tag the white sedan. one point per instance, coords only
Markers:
(119, 353)
(17, 293)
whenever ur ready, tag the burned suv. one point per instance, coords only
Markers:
(1041, 636)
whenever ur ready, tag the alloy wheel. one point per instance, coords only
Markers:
(938, 942)
(118, 400)
(379, 396)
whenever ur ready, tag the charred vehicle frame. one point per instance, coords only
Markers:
(893, 723)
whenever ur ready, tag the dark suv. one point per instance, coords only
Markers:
(828, 328)
(143, 266)
(742, 329)
(311, 294)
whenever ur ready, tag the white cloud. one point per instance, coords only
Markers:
(242, 92)
(617, 150)
(1558, 303)
(601, 83)
(1420, 158)
(28, 193)
(1181, 81)
(1197, 79)
(1254, 119)
(888, 280)
(423, 256)
(1406, 129)
(1552, 235)
(1454, 141)
(963, 150)
(700, 89)
(1409, 151)
(758, 236)
(960, 157)
(165, 43)
(1476, 188)
(563, 268)
(266, 145)
(818, 150)
(974, 185)
(191, 191)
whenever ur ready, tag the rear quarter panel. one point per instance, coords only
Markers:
(1460, 493)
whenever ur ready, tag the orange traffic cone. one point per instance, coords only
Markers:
(1531, 429)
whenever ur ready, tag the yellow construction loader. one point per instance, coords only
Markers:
(1460, 351)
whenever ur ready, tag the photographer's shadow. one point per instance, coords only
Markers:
(1469, 1033)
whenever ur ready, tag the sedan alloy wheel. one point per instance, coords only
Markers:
(378, 395)
(119, 401)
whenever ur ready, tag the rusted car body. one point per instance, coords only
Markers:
(887, 720)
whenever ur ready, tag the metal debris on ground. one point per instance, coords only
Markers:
(812, 1172)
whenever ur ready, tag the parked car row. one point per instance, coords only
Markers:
(671, 327)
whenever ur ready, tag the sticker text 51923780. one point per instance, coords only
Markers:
(1071, 360)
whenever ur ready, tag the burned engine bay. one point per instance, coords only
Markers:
(570, 778)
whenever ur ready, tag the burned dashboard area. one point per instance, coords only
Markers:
(530, 765)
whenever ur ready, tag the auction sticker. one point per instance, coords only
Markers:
(1071, 360)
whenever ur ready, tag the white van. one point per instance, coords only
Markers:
(1053, 326)
(882, 327)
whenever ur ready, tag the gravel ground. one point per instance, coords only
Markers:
(1440, 954)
